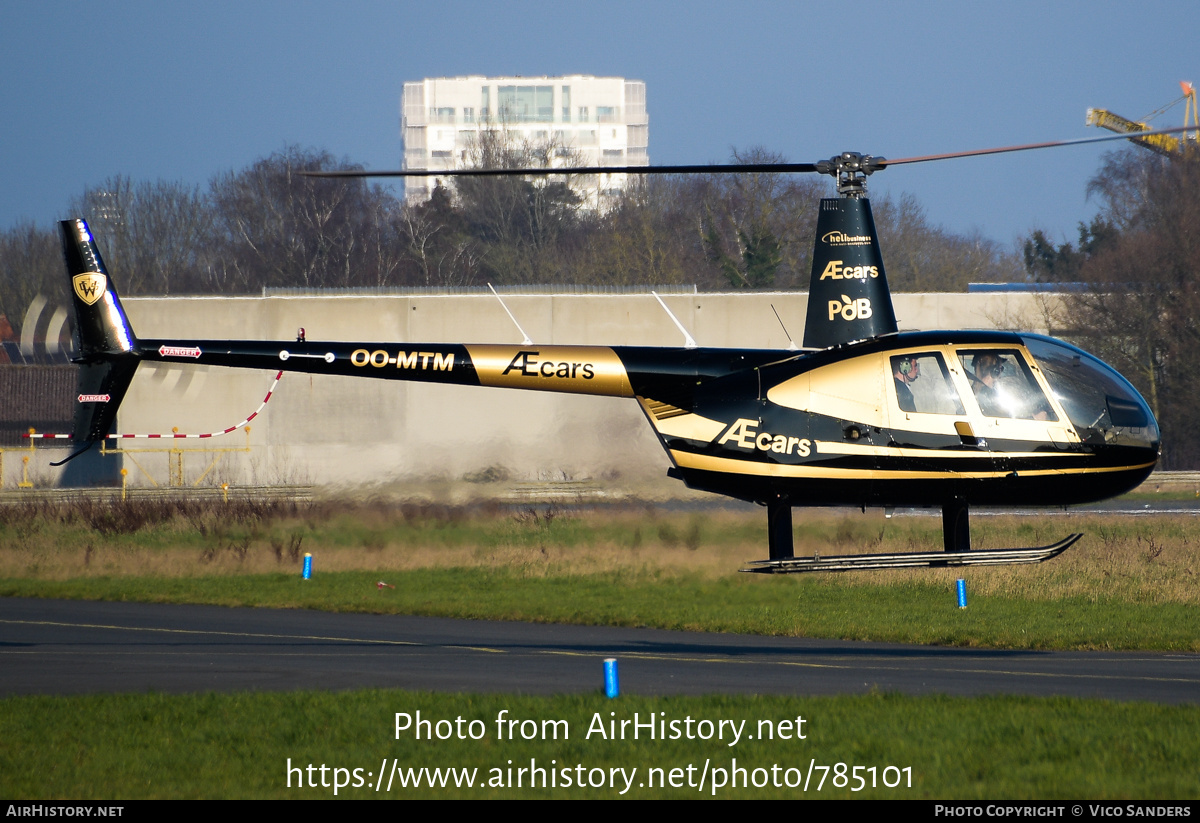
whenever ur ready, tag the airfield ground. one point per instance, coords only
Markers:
(1130, 584)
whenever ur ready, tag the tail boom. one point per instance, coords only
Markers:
(595, 370)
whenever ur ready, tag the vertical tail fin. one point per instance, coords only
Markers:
(848, 297)
(105, 342)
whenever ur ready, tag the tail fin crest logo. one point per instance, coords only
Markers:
(89, 286)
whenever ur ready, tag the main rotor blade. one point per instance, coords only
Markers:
(717, 168)
(729, 168)
(1026, 147)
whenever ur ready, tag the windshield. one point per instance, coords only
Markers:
(1102, 405)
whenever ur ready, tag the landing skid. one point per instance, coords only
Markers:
(911, 560)
(956, 538)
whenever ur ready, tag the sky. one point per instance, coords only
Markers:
(183, 92)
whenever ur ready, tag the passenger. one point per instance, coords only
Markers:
(905, 370)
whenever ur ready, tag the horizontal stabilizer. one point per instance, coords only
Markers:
(102, 387)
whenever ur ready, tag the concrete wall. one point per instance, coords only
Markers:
(352, 431)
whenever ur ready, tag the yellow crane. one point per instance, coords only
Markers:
(1166, 144)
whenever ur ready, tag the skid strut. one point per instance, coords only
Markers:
(956, 526)
(779, 528)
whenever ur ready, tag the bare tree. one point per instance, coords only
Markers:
(30, 264)
(524, 224)
(1143, 296)
(154, 233)
(923, 257)
(275, 226)
(436, 242)
(756, 228)
(638, 240)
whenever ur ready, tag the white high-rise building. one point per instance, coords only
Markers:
(583, 120)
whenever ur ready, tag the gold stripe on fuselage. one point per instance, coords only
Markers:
(725, 465)
(688, 426)
(659, 410)
(826, 447)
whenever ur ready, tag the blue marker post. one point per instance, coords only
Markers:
(961, 586)
(612, 687)
(307, 566)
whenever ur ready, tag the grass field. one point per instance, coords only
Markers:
(1130, 584)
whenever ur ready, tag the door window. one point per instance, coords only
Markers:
(1003, 385)
(923, 384)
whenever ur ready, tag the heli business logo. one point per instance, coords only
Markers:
(744, 434)
(839, 238)
(526, 363)
(834, 270)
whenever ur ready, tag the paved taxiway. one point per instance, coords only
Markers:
(72, 647)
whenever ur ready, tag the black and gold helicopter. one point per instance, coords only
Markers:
(862, 415)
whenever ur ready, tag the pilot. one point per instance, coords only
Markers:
(987, 367)
(905, 370)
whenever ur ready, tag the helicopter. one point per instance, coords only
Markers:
(862, 414)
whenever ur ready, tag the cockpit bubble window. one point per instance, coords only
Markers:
(923, 384)
(1004, 386)
(1099, 401)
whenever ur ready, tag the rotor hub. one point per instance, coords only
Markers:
(851, 169)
